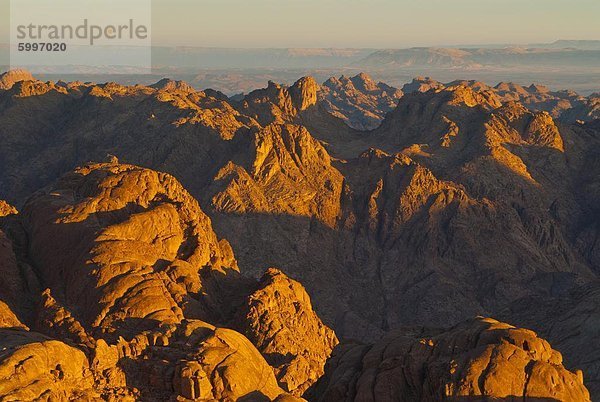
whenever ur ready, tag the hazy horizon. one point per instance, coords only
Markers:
(373, 24)
(238, 35)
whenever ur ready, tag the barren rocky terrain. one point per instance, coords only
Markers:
(347, 241)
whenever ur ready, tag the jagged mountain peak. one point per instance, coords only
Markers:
(510, 87)
(474, 84)
(374, 153)
(471, 97)
(304, 93)
(279, 103)
(441, 106)
(9, 78)
(364, 82)
(25, 89)
(535, 128)
(358, 101)
(167, 84)
(537, 88)
(421, 84)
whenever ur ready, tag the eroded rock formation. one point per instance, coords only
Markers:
(134, 273)
(481, 359)
(359, 101)
(465, 201)
(279, 319)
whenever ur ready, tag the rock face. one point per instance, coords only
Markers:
(570, 323)
(481, 359)
(34, 367)
(134, 274)
(125, 245)
(304, 93)
(277, 103)
(421, 84)
(170, 85)
(223, 366)
(6, 209)
(280, 321)
(291, 174)
(10, 78)
(358, 101)
(14, 301)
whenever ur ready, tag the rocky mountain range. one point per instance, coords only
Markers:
(447, 235)
(359, 101)
(561, 64)
(565, 105)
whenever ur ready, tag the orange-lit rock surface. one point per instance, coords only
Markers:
(134, 273)
(279, 320)
(467, 200)
(481, 359)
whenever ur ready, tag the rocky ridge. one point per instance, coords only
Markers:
(566, 105)
(359, 101)
(460, 204)
(478, 360)
(10, 78)
(134, 274)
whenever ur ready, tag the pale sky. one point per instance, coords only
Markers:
(372, 23)
(366, 23)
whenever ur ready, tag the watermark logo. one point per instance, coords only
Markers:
(92, 36)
